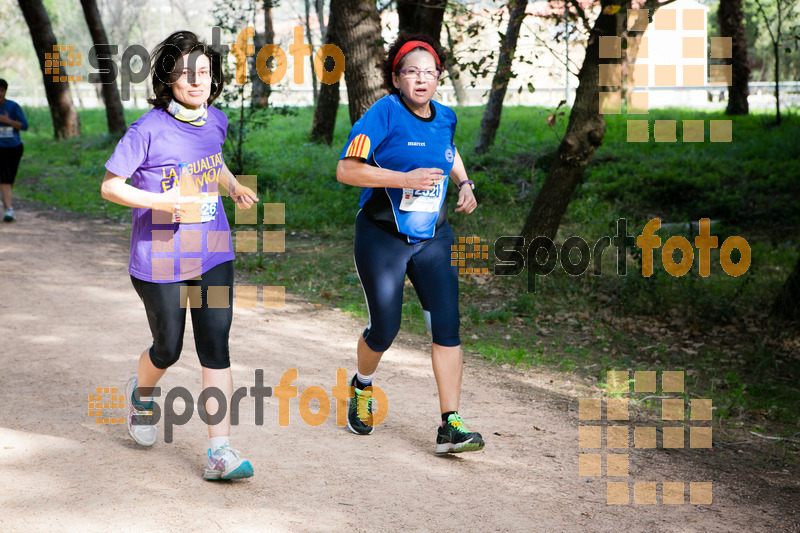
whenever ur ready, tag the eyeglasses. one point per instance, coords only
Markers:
(417, 73)
(202, 74)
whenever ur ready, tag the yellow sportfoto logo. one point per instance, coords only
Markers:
(359, 147)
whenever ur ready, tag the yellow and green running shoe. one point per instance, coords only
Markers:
(359, 411)
(453, 437)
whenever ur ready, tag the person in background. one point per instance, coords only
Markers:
(12, 121)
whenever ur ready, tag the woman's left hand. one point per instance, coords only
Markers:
(466, 200)
(243, 196)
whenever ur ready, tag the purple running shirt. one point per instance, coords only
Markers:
(148, 155)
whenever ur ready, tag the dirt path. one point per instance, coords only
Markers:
(70, 321)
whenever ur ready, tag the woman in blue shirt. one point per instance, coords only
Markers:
(401, 153)
(12, 120)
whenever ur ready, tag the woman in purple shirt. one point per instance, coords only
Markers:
(180, 239)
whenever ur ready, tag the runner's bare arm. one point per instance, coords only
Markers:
(114, 189)
(243, 196)
(354, 171)
(459, 172)
(466, 198)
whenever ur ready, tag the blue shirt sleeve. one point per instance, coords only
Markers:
(369, 132)
(19, 115)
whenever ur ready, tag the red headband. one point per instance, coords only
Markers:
(410, 45)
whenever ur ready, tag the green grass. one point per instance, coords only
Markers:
(715, 328)
(68, 174)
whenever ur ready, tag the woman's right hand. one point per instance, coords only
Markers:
(423, 179)
(168, 201)
(173, 202)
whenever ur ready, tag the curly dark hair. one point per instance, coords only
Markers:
(403, 38)
(166, 54)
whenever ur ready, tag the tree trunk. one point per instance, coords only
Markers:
(66, 123)
(357, 27)
(260, 90)
(585, 130)
(779, 34)
(311, 57)
(328, 101)
(787, 304)
(777, 53)
(508, 47)
(453, 70)
(421, 16)
(319, 6)
(776, 38)
(730, 18)
(115, 116)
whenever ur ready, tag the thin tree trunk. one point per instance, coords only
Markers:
(775, 37)
(357, 27)
(585, 130)
(311, 57)
(115, 116)
(778, 63)
(66, 122)
(508, 47)
(328, 102)
(787, 304)
(730, 18)
(629, 58)
(74, 89)
(319, 6)
(421, 16)
(325, 114)
(453, 71)
(261, 91)
(777, 52)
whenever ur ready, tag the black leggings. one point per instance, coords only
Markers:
(167, 317)
(383, 260)
(9, 163)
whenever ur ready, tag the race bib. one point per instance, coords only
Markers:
(424, 201)
(202, 211)
(6, 132)
(208, 207)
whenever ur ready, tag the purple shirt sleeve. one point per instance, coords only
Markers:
(129, 154)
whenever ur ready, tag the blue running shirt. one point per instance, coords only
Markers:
(390, 136)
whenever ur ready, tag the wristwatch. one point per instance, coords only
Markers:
(471, 184)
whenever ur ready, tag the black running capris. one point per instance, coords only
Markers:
(382, 262)
(9, 163)
(166, 305)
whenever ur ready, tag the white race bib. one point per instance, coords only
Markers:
(208, 210)
(208, 207)
(424, 201)
(6, 132)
